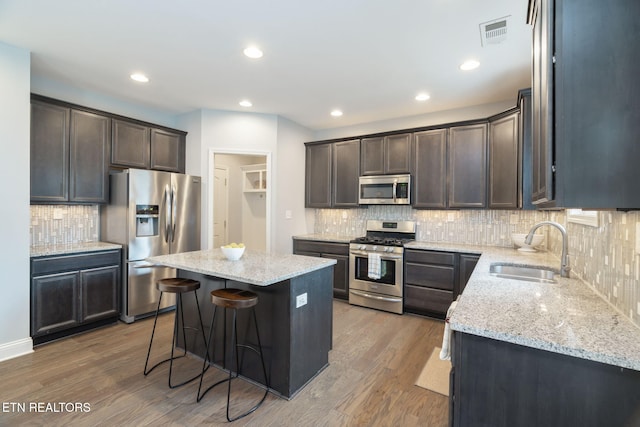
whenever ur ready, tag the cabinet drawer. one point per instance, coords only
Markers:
(321, 247)
(430, 257)
(48, 265)
(420, 299)
(432, 276)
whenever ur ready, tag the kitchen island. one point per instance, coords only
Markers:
(294, 311)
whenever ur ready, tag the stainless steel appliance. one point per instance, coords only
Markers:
(385, 190)
(379, 286)
(150, 213)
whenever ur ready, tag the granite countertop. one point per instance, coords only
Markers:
(255, 267)
(71, 248)
(335, 238)
(567, 317)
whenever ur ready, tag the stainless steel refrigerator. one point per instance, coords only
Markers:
(150, 213)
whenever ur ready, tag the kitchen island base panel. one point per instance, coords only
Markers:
(295, 319)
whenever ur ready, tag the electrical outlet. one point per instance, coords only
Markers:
(301, 300)
(288, 214)
(638, 237)
(344, 215)
(57, 213)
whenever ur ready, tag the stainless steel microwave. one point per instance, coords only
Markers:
(385, 190)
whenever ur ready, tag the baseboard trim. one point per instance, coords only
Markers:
(15, 349)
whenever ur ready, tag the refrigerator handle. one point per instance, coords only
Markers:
(167, 214)
(174, 209)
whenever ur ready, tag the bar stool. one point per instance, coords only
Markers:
(176, 286)
(234, 299)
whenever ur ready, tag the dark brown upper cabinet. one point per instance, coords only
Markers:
(138, 145)
(504, 143)
(346, 159)
(318, 158)
(467, 167)
(586, 115)
(131, 145)
(430, 169)
(331, 174)
(69, 154)
(385, 154)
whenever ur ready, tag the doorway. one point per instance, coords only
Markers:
(239, 211)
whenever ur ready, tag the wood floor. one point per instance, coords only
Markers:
(374, 363)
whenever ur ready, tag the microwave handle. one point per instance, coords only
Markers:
(395, 187)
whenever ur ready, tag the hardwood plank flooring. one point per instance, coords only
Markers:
(374, 363)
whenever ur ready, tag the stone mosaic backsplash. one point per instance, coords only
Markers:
(602, 256)
(64, 224)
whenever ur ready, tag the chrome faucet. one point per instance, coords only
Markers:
(564, 260)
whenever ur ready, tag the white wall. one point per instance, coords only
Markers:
(290, 179)
(435, 118)
(14, 211)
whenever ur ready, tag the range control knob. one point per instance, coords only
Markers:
(375, 248)
(362, 247)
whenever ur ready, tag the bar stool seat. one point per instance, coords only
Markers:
(178, 286)
(234, 299)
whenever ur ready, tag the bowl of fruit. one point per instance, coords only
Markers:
(233, 251)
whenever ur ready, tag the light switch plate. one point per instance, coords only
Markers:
(301, 300)
(288, 214)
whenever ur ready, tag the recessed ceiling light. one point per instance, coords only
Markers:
(253, 52)
(139, 77)
(336, 113)
(422, 97)
(245, 103)
(469, 65)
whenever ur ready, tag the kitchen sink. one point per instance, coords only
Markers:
(522, 272)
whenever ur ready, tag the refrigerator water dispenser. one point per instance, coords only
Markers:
(146, 220)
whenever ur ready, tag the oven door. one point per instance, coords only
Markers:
(390, 281)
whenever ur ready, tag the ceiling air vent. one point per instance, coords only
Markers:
(494, 32)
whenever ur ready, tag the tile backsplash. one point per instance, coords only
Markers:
(603, 256)
(64, 224)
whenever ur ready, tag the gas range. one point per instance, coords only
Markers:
(385, 236)
(376, 265)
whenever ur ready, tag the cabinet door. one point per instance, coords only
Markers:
(468, 166)
(340, 275)
(318, 176)
(346, 170)
(524, 103)
(542, 102)
(167, 151)
(467, 264)
(430, 169)
(398, 153)
(54, 302)
(504, 141)
(372, 156)
(130, 145)
(89, 143)
(99, 293)
(49, 152)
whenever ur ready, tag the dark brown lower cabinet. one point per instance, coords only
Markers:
(500, 384)
(433, 279)
(73, 293)
(337, 251)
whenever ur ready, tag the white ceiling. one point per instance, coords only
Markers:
(367, 57)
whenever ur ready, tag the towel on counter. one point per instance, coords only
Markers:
(374, 266)
(445, 353)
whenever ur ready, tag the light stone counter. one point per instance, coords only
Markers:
(334, 238)
(255, 267)
(567, 317)
(71, 248)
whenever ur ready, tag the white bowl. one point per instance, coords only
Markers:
(232, 254)
(518, 240)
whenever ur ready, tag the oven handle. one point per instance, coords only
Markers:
(382, 256)
(366, 295)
